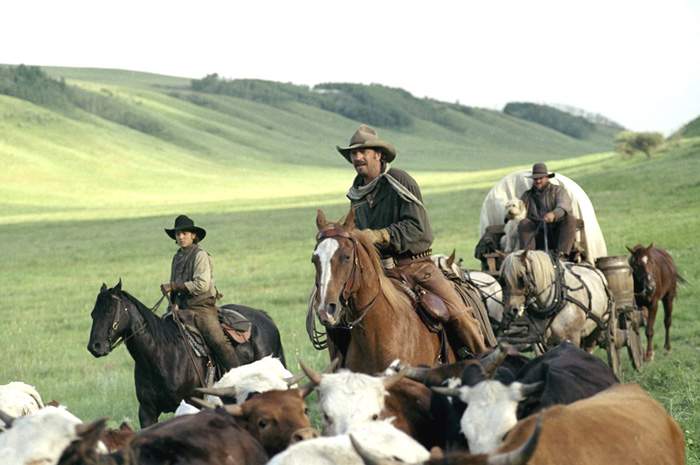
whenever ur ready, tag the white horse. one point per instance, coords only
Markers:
(531, 280)
(487, 285)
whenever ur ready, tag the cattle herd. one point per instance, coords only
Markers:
(562, 407)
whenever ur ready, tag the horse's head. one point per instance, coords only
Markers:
(642, 269)
(527, 277)
(335, 259)
(110, 320)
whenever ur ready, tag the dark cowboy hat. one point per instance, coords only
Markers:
(539, 170)
(366, 137)
(184, 223)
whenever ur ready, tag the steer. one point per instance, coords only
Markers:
(18, 399)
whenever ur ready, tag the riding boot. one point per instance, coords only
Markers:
(206, 318)
(465, 337)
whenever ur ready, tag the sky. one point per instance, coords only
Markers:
(635, 62)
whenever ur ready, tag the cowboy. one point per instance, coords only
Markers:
(548, 209)
(388, 205)
(192, 289)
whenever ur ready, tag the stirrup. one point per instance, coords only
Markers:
(464, 354)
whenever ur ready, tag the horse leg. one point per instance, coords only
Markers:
(650, 331)
(147, 416)
(668, 315)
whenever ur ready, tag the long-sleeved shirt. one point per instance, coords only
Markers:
(192, 266)
(407, 222)
(551, 198)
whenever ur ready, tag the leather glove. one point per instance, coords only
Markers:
(550, 217)
(165, 288)
(178, 287)
(379, 236)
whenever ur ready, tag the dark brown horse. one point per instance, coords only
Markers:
(164, 371)
(352, 292)
(655, 278)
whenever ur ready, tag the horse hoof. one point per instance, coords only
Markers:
(649, 357)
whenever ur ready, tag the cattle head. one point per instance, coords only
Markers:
(110, 320)
(348, 399)
(335, 261)
(491, 410)
(642, 270)
(275, 418)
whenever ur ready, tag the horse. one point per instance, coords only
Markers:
(166, 371)
(352, 294)
(655, 277)
(578, 304)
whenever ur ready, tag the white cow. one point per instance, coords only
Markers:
(262, 375)
(18, 399)
(39, 438)
(379, 437)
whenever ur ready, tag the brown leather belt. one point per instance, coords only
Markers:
(405, 260)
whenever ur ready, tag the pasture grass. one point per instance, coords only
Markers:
(56, 258)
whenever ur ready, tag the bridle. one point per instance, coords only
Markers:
(351, 286)
(117, 320)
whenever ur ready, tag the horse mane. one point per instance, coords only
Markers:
(394, 297)
(158, 327)
(541, 268)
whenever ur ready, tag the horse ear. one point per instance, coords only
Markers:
(650, 246)
(118, 287)
(321, 221)
(451, 258)
(103, 288)
(349, 222)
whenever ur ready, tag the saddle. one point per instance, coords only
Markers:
(237, 327)
(429, 306)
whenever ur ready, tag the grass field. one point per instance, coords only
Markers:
(55, 260)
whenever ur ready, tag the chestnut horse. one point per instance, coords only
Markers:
(655, 277)
(352, 292)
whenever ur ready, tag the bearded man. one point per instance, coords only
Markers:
(387, 203)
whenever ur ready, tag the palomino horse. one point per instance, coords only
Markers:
(166, 370)
(655, 277)
(578, 303)
(352, 292)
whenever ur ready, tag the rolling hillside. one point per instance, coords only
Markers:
(125, 143)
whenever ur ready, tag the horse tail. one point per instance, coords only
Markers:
(681, 279)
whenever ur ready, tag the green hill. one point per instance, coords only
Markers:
(691, 129)
(90, 141)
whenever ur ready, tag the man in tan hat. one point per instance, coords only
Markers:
(548, 208)
(387, 203)
(192, 289)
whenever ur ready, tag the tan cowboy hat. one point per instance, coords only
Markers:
(184, 223)
(366, 137)
(539, 170)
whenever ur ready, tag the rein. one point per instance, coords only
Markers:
(115, 324)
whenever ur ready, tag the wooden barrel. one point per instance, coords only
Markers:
(619, 275)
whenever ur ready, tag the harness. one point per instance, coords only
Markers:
(117, 319)
(562, 296)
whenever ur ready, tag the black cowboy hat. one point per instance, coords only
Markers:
(539, 170)
(184, 223)
(366, 137)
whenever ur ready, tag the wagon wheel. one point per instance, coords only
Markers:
(612, 343)
(634, 340)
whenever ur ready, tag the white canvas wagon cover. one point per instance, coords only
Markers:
(515, 184)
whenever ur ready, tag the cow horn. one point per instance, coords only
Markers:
(492, 361)
(335, 363)
(389, 381)
(368, 457)
(228, 391)
(310, 373)
(91, 431)
(445, 391)
(419, 374)
(234, 409)
(451, 258)
(295, 379)
(529, 389)
(202, 403)
(522, 454)
(7, 418)
(629, 250)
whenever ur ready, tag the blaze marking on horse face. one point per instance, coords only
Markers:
(325, 251)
